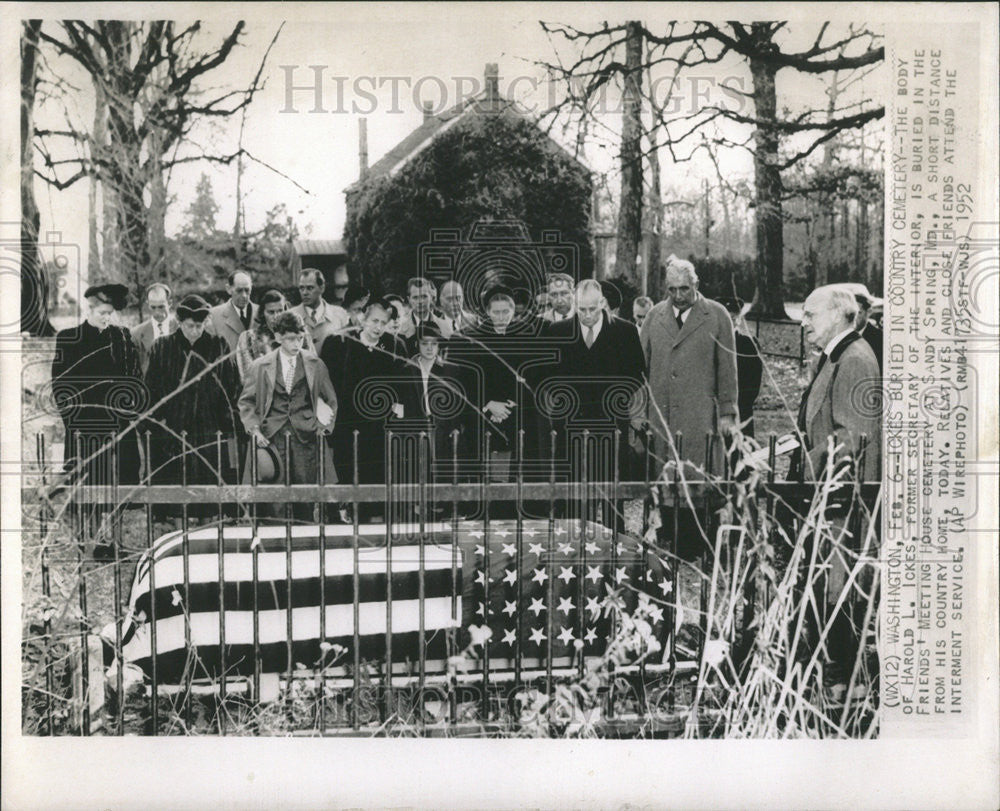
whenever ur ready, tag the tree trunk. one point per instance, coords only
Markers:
(34, 284)
(630, 203)
(98, 144)
(653, 274)
(769, 298)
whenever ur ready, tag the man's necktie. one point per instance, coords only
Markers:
(589, 337)
(680, 322)
(245, 317)
(289, 374)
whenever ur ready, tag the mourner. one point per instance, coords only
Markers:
(287, 394)
(868, 330)
(97, 387)
(341, 281)
(499, 388)
(364, 369)
(559, 297)
(453, 316)
(600, 360)
(355, 300)
(640, 309)
(159, 324)
(839, 422)
(192, 381)
(234, 316)
(421, 296)
(690, 354)
(320, 317)
(259, 339)
(842, 399)
(749, 365)
(612, 297)
(433, 392)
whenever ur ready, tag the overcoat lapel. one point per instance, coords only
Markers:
(694, 320)
(819, 391)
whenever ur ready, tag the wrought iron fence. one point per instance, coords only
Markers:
(458, 604)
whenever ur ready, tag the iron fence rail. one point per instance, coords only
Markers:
(369, 692)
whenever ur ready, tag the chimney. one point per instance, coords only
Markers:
(492, 77)
(362, 147)
(428, 110)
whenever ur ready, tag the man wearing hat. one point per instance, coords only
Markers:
(97, 387)
(191, 379)
(235, 316)
(288, 397)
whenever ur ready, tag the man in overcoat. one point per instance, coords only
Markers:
(839, 424)
(159, 324)
(690, 353)
(229, 319)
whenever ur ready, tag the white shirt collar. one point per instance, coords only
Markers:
(286, 361)
(836, 340)
(682, 313)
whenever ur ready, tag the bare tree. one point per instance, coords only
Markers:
(762, 49)
(150, 78)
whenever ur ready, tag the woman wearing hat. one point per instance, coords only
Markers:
(259, 339)
(192, 381)
(97, 387)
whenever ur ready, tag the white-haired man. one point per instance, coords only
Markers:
(690, 354)
(867, 330)
(839, 426)
(841, 401)
(453, 318)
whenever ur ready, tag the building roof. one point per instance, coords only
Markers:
(435, 124)
(319, 247)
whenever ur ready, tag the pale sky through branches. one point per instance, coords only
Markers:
(381, 62)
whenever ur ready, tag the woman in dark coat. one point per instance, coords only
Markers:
(365, 369)
(97, 387)
(202, 406)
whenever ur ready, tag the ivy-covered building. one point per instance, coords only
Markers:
(478, 192)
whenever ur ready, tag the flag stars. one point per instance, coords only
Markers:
(594, 573)
(536, 549)
(538, 636)
(621, 575)
(592, 548)
(509, 636)
(509, 549)
(510, 608)
(537, 606)
(593, 605)
(566, 636)
(566, 548)
(566, 573)
(510, 576)
(565, 605)
(591, 635)
(655, 612)
(540, 575)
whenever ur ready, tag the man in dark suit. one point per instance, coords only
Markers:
(600, 368)
(233, 317)
(159, 324)
(749, 365)
(839, 422)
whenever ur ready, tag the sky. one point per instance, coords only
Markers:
(379, 62)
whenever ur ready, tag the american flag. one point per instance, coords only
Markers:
(553, 600)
